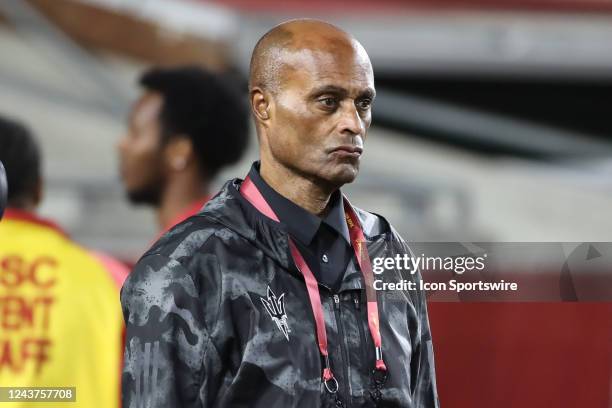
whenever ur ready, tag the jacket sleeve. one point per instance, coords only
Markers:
(422, 367)
(167, 341)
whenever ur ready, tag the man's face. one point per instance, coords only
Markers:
(140, 151)
(322, 112)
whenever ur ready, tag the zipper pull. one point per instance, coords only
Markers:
(337, 301)
(356, 301)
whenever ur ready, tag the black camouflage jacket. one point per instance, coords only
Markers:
(217, 315)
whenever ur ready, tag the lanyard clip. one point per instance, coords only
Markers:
(379, 377)
(380, 364)
(379, 374)
(330, 382)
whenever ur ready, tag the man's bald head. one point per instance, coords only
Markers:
(274, 52)
(311, 90)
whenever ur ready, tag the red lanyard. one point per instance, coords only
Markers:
(252, 194)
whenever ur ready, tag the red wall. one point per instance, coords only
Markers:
(539, 355)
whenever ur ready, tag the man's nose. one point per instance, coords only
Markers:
(350, 121)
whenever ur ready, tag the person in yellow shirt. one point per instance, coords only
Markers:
(60, 316)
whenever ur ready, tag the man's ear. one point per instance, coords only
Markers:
(260, 104)
(178, 152)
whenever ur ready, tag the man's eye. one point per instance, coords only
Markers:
(329, 102)
(364, 104)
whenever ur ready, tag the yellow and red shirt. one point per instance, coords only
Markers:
(60, 316)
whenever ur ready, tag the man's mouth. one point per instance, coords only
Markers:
(347, 150)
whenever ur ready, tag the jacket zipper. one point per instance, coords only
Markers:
(362, 335)
(344, 349)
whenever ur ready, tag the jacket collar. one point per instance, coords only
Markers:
(233, 211)
(301, 224)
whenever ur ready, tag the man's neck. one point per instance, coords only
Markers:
(26, 205)
(298, 189)
(178, 196)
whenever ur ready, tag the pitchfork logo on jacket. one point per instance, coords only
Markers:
(276, 309)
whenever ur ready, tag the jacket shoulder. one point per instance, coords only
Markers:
(166, 271)
(186, 238)
(372, 224)
(375, 225)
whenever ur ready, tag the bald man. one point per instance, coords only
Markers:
(267, 297)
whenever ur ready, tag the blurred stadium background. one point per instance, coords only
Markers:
(492, 123)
